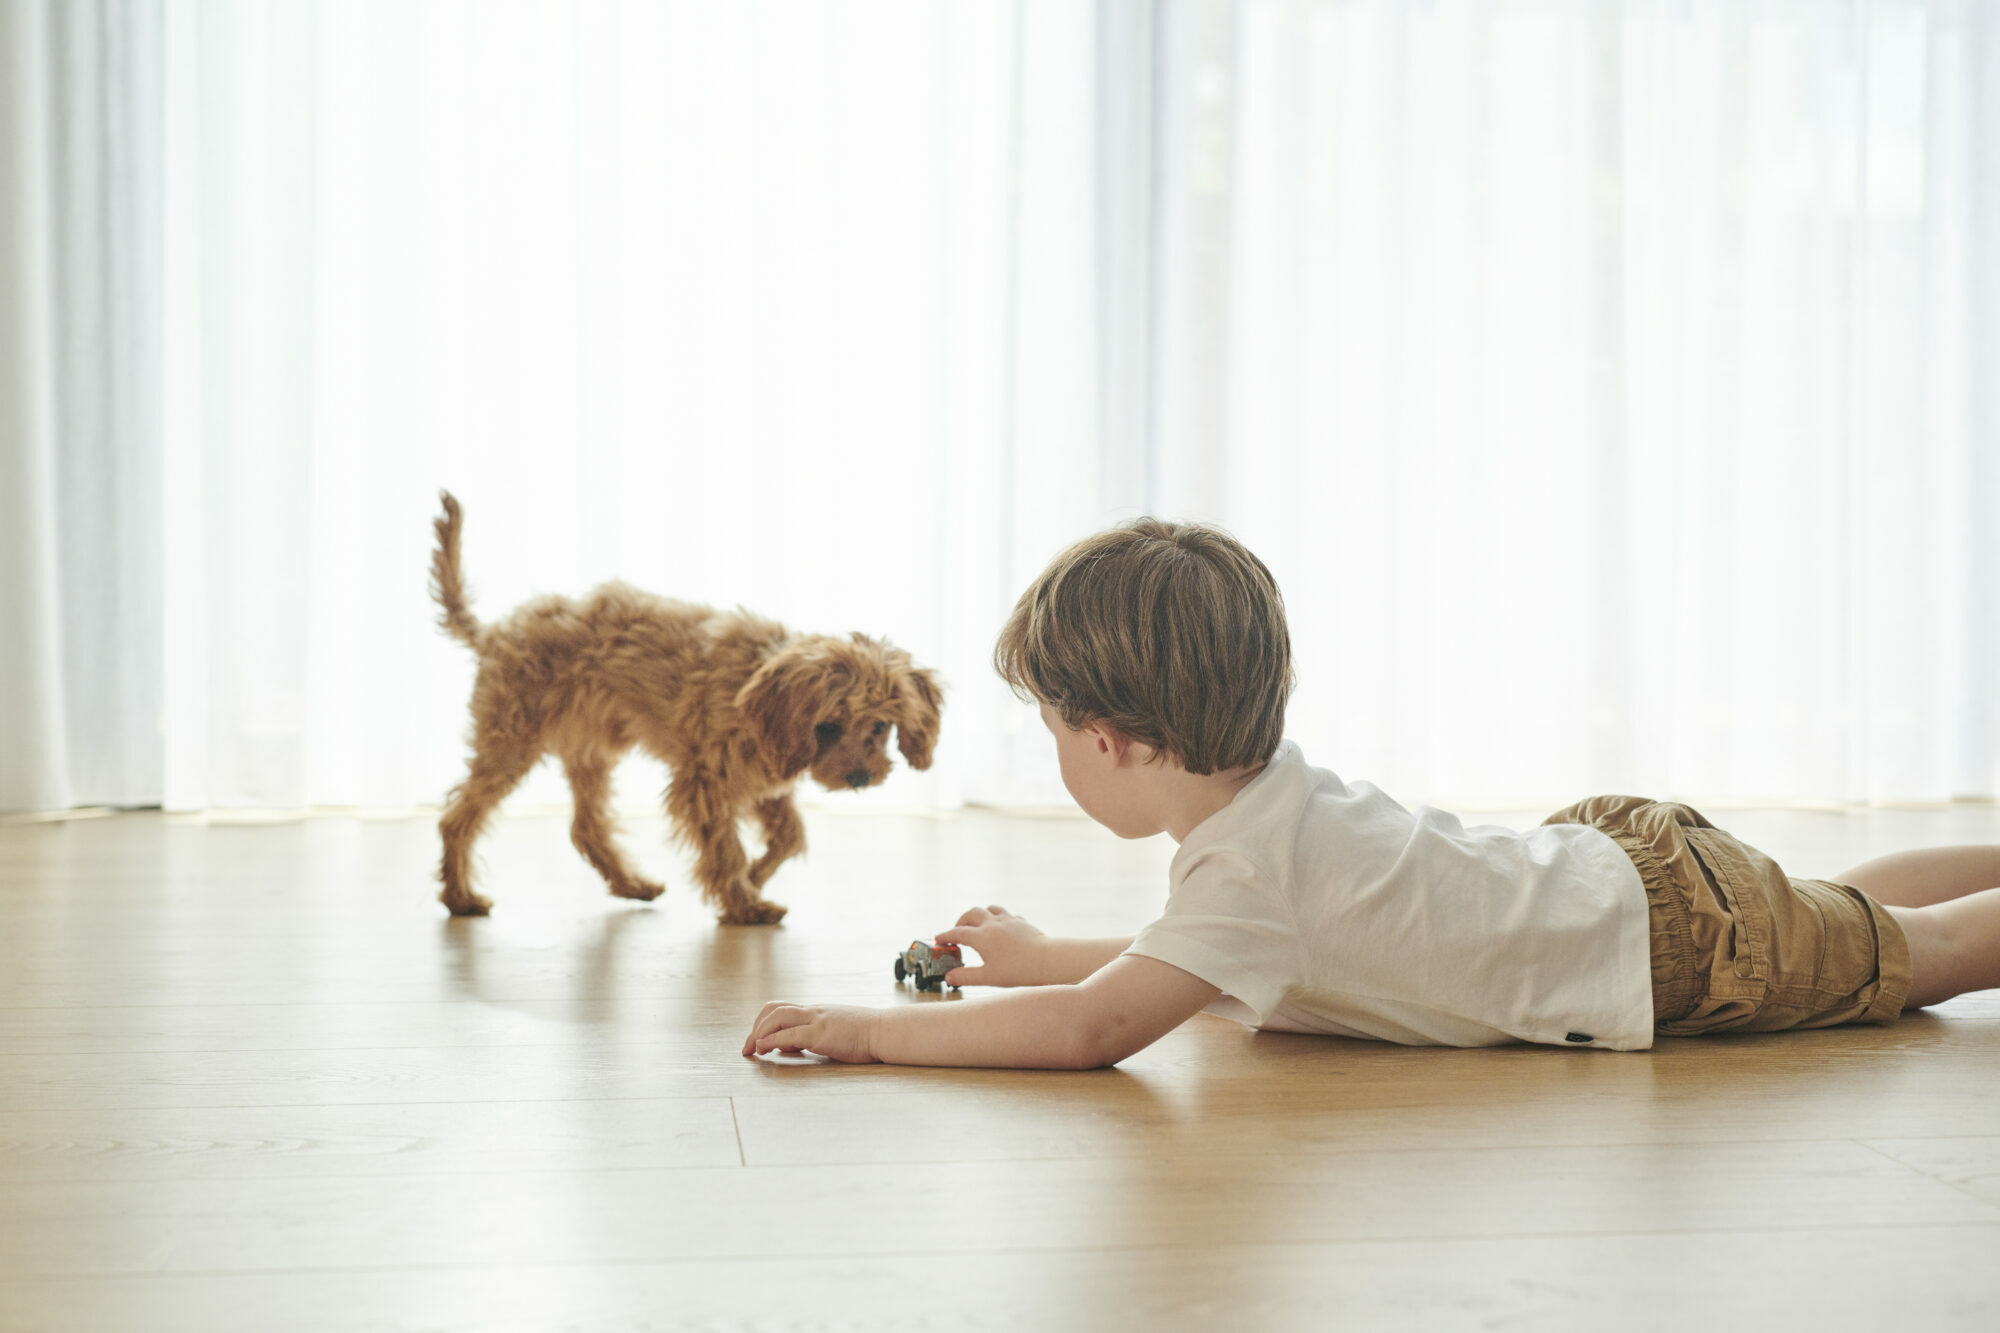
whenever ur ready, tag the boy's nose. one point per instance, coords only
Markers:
(858, 778)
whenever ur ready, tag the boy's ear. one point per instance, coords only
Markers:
(1107, 740)
(1120, 748)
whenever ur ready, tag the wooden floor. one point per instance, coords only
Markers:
(252, 1078)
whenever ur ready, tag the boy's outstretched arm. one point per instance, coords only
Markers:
(1122, 1008)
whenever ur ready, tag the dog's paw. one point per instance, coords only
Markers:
(465, 903)
(642, 889)
(758, 913)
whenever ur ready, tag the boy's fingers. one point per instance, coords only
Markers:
(763, 1025)
(961, 935)
(965, 976)
(998, 910)
(774, 1017)
(790, 1040)
(973, 916)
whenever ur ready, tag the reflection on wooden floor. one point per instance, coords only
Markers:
(251, 1077)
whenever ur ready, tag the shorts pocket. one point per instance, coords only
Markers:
(1733, 929)
(1847, 961)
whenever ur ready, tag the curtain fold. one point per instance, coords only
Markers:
(34, 760)
(1608, 385)
(79, 410)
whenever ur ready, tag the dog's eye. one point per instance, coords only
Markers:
(879, 728)
(827, 732)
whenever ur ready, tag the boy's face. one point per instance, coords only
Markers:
(1104, 774)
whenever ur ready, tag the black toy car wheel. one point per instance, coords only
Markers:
(901, 971)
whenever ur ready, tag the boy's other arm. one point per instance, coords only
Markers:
(1013, 952)
(1121, 1009)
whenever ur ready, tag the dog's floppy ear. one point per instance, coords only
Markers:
(917, 721)
(785, 698)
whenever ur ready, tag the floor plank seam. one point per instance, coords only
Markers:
(1961, 1186)
(824, 1256)
(741, 1159)
(1288, 1153)
(351, 1106)
(1291, 1149)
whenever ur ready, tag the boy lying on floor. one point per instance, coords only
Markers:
(1159, 657)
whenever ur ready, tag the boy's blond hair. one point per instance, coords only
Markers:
(1171, 633)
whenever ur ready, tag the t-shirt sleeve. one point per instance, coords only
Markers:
(1232, 931)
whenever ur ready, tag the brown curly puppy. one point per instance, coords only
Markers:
(737, 707)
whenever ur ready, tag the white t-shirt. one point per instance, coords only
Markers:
(1320, 906)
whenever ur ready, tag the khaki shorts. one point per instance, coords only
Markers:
(1740, 946)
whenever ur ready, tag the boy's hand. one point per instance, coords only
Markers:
(1011, 952)
(839, 1032)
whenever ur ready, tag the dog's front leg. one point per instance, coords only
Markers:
(707, 819)
(784, 836)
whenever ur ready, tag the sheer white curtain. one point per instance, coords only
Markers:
(774, 304)
(80, 650)
(1609, 386)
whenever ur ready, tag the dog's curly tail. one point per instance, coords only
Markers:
(447, 582)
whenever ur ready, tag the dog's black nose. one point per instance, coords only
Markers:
(858, 778)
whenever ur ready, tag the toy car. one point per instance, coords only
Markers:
(926, 964)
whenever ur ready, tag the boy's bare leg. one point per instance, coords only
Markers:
(1954, 946)
(1931, 875)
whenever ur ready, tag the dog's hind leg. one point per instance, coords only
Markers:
(590, 783)
(499, 762)
(707, 820)
(784, 836)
